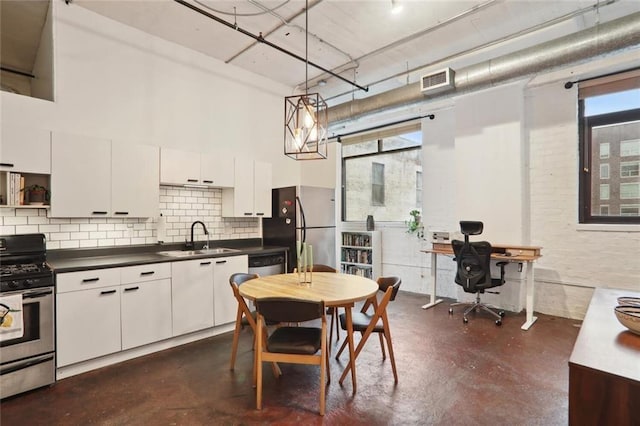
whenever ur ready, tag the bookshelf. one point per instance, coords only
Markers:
(19, 199)
(360, 253)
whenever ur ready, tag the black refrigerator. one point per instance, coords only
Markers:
(303, 213)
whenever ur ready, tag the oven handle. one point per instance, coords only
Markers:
(36, 293)
(27, 364)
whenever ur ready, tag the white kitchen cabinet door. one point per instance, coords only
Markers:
(262, 181)
(135, 180)
(216, 171)
(87, 324)
(251, 193)
(179, 167)
(225, 304)
(25, 150)
(80, 176)
(146, 312)
(192, 295)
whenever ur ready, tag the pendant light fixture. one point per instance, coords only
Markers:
(305, 117)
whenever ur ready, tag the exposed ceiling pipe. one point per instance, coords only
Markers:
(261, 39)
(605, 38)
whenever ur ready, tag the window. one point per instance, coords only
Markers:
(630, 169)
(377, 184)
(609, 114)
(629, 190)
(630, 209)
(381, 172)
(630, 148)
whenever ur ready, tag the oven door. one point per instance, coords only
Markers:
(38, 337)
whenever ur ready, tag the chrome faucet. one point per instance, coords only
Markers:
(190, 245)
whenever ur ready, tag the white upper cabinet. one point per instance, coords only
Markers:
(93, 177)
(216, 170)
(80, 176)
(179, 167)
(185, 167)
(251, 194)
(26, 150)
(135, 190)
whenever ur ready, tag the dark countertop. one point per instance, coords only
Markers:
(72, 260)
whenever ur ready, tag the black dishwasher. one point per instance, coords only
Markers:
(267, 264)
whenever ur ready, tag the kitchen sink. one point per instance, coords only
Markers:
(187, 253)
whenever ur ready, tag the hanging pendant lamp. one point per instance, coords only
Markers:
(305, 118)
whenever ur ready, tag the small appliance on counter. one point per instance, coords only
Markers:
(27, 330)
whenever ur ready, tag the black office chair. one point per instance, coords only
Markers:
(473, 271)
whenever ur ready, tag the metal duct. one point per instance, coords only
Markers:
(586, 44)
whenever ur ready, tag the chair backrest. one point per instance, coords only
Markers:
(386, 282)
(318, 267)
(240, 278)
(389, 287)
(284, 309)
(473, 260)
(235, 281)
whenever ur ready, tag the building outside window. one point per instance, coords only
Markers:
(419, 190)
(609, 109)
(380, 174)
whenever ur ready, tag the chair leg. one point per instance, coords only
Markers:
(236, 335)
(258, 369)
(384, 355)
(335, 315)
(344, 345)
(328, 369)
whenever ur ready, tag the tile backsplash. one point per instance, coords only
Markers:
(179, 207)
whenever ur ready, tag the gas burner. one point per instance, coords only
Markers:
(20, 269)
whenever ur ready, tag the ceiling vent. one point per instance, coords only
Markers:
(437, 81)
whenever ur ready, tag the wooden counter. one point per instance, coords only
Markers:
(604, 368)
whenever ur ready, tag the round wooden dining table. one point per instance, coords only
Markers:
(335, 289)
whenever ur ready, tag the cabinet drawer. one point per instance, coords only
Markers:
(141, 273)
(82, 280)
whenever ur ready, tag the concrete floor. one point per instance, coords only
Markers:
(449, 374)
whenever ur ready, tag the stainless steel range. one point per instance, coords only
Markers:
(27, 348)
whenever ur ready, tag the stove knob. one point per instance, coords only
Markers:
(27, 283)
(14, 284)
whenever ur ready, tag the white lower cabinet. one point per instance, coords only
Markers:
(225, 305)
(145, 312)
(192, 295)
(87, 324)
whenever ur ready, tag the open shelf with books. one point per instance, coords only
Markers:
(360, 253)
(24, 190)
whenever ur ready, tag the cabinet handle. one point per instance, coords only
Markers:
(98, 212)
(207, 181)
(205, 263)
(6, 165)
(90, 280)
(192, 180)
(259, 214)
(147, 273)
(220, 262)
(120, 212)
(107, 292)
(131, 289)
(247, 214)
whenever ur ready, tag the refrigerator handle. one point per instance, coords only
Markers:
(304, 221)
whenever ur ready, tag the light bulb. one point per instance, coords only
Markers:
(308, 116)
(297, 138)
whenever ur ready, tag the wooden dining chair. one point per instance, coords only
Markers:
(377, 322)
(244, 317)
(318, 267)
(295, 345)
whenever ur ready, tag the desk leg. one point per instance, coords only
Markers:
(530, 294)
(352, 355)
(434, 272)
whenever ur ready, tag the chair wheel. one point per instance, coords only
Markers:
(501, 313)
(450, 311)
(464, 320)
(498, 322)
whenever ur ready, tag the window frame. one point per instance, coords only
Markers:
(585, 125)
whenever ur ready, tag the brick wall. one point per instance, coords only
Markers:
(179, 207)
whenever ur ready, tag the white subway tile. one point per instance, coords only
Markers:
(69, 244)
(80, 220)
(115, 234)
(89, 227)
(59, 220)
(73, 227)
(26, 229)
(37, 220)
(105, 242)
(59, 236)
(5, 211)
(7, 230)
(88, 243)
(106, 227)
(15, 220)
(79, 235)
(123, 241)
(138, 240)
(97, 235)
(49, 228)
(53, 245)
(26, 212)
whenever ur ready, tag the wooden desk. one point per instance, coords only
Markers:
(604, 367)
(505, 253)
(336, 290)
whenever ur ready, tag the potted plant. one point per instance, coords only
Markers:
(36, 194)
(414, 225)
